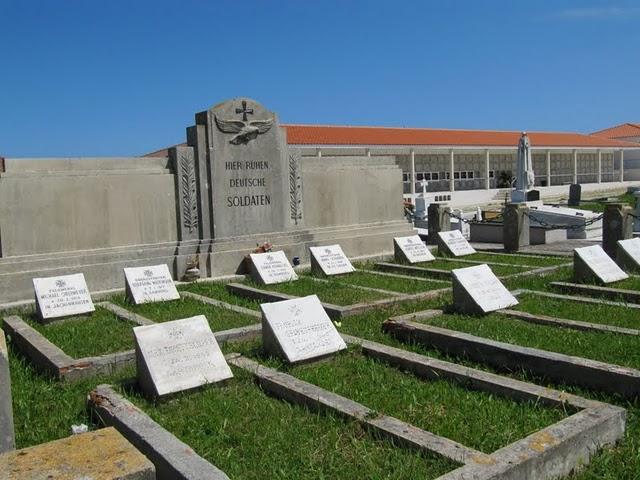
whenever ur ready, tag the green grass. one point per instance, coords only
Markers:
(605, 347)
(594, 206)
(476, 419)
(541, 281)
(394, 284)
(331, 291)
(448, 265)
(631, 283)
(44, 409)
(584, 312)
(84, 336)
(218, 291)
(513, 259)
(219, 318)
(250, 435)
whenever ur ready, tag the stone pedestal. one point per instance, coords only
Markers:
(575, 194)
(104, 454)
(515, 227)
(439, 221)
(617, 225)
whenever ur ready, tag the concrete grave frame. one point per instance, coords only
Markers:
(7, 433)
(335, 312)
(551, 452)
(632, 296)
(558, 367)
(53, 361)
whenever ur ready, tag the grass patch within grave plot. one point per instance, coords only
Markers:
(330, 292)
(219, 318)
(218, 291)
(43, 408)
(393, 284)
(580, 311)
(441, 263)
(250, 435)
(87, 335)
(631, 283)
(604, 347)
(476, 419)
(540, 281)
(514, 259)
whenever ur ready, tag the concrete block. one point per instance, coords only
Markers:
(100, 455)
(7, 435)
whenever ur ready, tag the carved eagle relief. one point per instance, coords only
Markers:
(245, 130)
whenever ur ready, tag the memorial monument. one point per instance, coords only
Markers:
(525, 177)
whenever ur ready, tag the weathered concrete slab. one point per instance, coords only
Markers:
(100, 455)
(504, 356)
(7, 434)
(173, 459)
(599, 291)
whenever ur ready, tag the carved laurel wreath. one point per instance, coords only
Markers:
(189, 193)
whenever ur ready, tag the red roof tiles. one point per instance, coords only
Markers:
(340, 135)
(620, 131)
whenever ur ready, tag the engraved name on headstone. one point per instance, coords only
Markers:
(62, 296)
(411, 250)
(593, 263)
(299, 330)
(150, 284)
(330, 260)
(477, 290)
(178, 355)
(271, 267)
(628, 255)
(453, 243)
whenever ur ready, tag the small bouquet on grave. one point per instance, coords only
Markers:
(264, 248)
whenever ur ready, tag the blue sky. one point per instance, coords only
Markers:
(85, 77)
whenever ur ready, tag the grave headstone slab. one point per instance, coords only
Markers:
(593, 263)
(62, 296)
(411, 249)
(271, 267)
(7, 437)
(299, 330)
(330, 260)
(477, 290)
(628, 255)
(150, 284)
(178, 355)
(453, 243)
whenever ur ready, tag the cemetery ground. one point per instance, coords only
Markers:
(249, 433)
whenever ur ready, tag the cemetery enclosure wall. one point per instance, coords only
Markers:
(49, 205)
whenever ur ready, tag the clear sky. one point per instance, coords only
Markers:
(114, 77)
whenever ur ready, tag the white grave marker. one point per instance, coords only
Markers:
(477, 290)
(272, 267)
(299, 329)
(330, 260)
(411, 249)
(454, 243)
(593, 263)
(150, 284)
(62, 296)
(178, 355)
(628, 255)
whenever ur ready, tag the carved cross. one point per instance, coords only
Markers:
(244, 111)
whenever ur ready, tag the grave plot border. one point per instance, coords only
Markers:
(555, 450)
(446, 274)
(564, 322)
(7, 432)
(632, 296)
(54, 362)
(504, 356)
(335, 312)
(574, 298)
